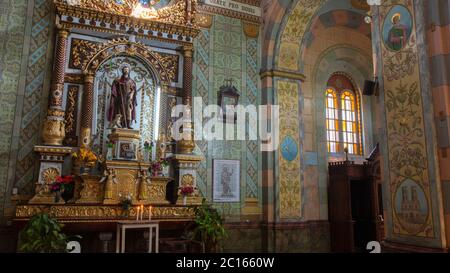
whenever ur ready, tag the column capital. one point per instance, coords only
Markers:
(89, 78)
(63, 32)
(188, 51)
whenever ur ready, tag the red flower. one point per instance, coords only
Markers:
(187, 190)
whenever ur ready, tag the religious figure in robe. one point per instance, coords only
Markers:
(398, 34)
(123, 100)
(226, 182)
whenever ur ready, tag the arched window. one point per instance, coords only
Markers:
(332, 121)
(342, 116)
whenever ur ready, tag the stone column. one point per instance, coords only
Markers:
(87, 110)
(54, 127)
(187, 145)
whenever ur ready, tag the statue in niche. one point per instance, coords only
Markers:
(123, 100)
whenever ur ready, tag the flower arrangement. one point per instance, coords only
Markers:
(126, 202)
(186, 190)
(164, 162)
(85, 157)
(155, 168)
(148, 146)
(110, 144)
(63, 185)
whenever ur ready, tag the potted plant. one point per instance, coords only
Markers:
(209, 227)
(63, 188)
(43, 235)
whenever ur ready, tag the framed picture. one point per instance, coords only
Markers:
(226, 181)
(126, 150)
(228, 96)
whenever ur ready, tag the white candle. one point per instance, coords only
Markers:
(137, 214)
(142, 212)
(150, 213)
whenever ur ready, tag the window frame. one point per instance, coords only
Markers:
(358, 143)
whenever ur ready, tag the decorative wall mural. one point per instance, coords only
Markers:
(406, 131)
(411, 207)
(397, 28)
(289, 170)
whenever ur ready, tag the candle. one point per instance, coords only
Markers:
(142, 212)
(137, 214)
(150, 213)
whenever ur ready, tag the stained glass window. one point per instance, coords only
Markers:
(332, 121)
(342, 116)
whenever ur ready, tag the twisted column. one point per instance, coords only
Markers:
(187, 145)
(54, 126)
(188, 52)
(87, 109)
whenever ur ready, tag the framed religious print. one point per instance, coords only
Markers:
(226, 181)
(126, 150)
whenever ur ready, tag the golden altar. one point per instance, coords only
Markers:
(78, 107)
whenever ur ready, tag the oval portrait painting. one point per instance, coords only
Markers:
(397, 28)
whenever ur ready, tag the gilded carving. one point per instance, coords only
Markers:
(71, 115)
(187, 180)
(91, 190)
(116, 47)
(79, 51)
(170, 63)
(49, 176)
(53, 132)
(204, 20)
(178, 13)
(100, 212)
(251, 30)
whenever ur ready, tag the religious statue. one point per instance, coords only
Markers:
(398, 34)
(226, 182)
(123, 100)
(143, 181)
(110, 177)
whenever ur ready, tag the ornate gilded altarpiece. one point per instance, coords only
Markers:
(94, 41)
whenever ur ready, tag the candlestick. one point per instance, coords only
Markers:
(142, 212)
(137, 214)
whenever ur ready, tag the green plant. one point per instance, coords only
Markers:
(43, 235)
(209, 227)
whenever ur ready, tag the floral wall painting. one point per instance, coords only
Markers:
(226, 181)
(397, 28)
(411, 207)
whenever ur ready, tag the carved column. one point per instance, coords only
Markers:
(87, 110)
(187, 145)
(188, 52)
(54, 127)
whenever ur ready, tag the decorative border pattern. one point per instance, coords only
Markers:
(34, 95)
(289, 171)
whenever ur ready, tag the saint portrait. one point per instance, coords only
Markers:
(226, 181)
(397, 28)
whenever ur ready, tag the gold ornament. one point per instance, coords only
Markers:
(54, 132)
